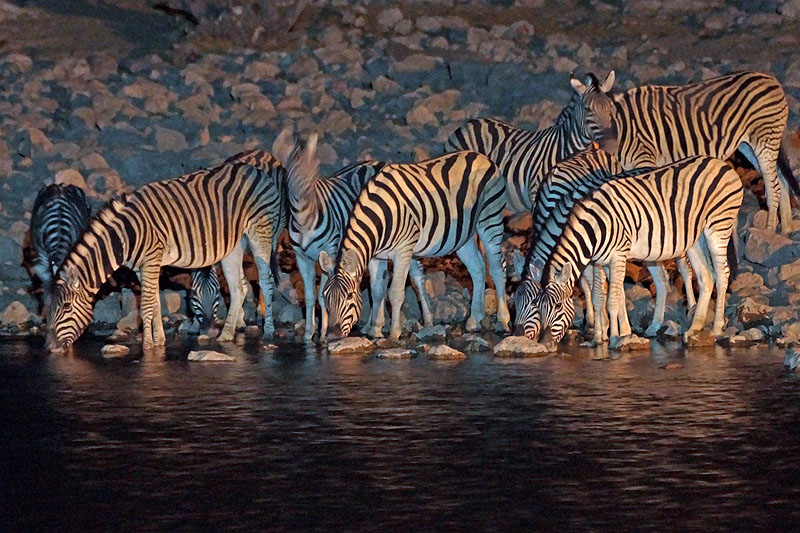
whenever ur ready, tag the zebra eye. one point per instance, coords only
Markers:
(67, 306)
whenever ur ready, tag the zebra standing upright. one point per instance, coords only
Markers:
(319, 211)
(60, 215)
(657, 125)
(427, 209)
(568, 182)
(524, 157)
(658, 215)
(191, 222)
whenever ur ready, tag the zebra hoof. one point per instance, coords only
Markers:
(615, 342)
(472, 324)
(225, 336)
(653, 330)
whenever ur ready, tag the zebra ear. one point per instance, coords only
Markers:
(577, 84)
(565, 274)
(73, 277)
(350, 262)
(283, 146)
(519, 263)
(311, 145)
(326, 262)
(536, 267)
(608, 83)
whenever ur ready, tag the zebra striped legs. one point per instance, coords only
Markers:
(323, 314)
(705, 282)
(232, 270)
(764, 159)
(402, 262)
(717, 247)
(260, 239)
(686, 273)
(418, 277)
(495, 256)
(307, 269)
(661, 281)
(379, 279)
(616, 298)
(471, 256)
(152, 326)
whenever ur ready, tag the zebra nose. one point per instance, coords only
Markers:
(334, 333)
(519, 330)
(547, 337)
(54, 345)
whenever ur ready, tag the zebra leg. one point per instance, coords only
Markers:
(765, 161)
(587, 286)
(152, 326)
(379, 279)
(323, 311)
(616, 298)
(471, 256)
(491, 245)
(246, 290)
(397, 293)
(661, 281)
(686, 274)
(418, 277)
(700, 267)
(598, 298)
(233, 272)
(718, 248)
(307, 269)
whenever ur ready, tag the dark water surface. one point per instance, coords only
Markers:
(293, 439)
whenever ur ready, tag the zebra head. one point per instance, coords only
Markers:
(594, 114)
(204, 300)
(556, 306)
(70, 310)
(341, 293)
(526, 301)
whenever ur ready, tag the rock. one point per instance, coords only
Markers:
(769, 249)
(390, 17)
(385, 342)
(751, 313)
(208, 356)
(171, 301)
(115, 350)
(672, 366)
(519, 347)
(789, 270)
(748, 284)
(290, 314)
(791, 331)
(108, 310)
(396, 353)
(168, 140)
(634, 343)
(119, 336)
(753, 334)
(252, 332)
(671, 329)
(350, 345)
(474, 343)
(792, 359)
(70, 176)
(435, 283)
(203, 339)
(701, 338)
(443, 352)
(432, 332)
(15, 314)
(416, 63)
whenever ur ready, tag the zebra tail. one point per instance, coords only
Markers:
(733, 255)
(786, 170)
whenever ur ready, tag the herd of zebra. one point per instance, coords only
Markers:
(634, 175)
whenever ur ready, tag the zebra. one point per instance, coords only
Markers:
(59, 217)
(319, 209)
(678, 209)
(205, 296)
(191, 221)
(565, 184)
(657, 125)
(524, 157)
(427, 209)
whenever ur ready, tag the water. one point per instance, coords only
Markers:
(292, 439)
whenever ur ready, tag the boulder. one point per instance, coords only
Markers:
(751, 313)
(672, 329)
(350, 345)
(168, 140)
(700, 338)
(769, 249)
(208, 356)
(519, 347)
(431, 332)
(443, 352)
(634, 343)
(114, 350)
(396, 353)
(792, 359)
(474, 343)
(15, 314)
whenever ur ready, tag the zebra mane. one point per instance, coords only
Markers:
(302, 167)
(566, 114)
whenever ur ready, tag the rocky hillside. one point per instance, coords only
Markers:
(375, 79)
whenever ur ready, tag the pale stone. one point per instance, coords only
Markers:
(16, 313)
(115, 350)
(768, 248)
(752, 313)
(208, 355)
(701, 338)
(70, 176)
(445, 352)
(519, 347)
(432, 332)
(634, 343)
(417, 62)
(168, 140)
(350, 345)
(396, 353)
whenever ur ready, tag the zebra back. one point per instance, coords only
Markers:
(60, 215)
(524, 157)
(205, 295)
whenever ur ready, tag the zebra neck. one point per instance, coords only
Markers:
(103, 248)
(570, 139)
(561, 258)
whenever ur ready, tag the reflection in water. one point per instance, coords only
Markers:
(291, 438)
